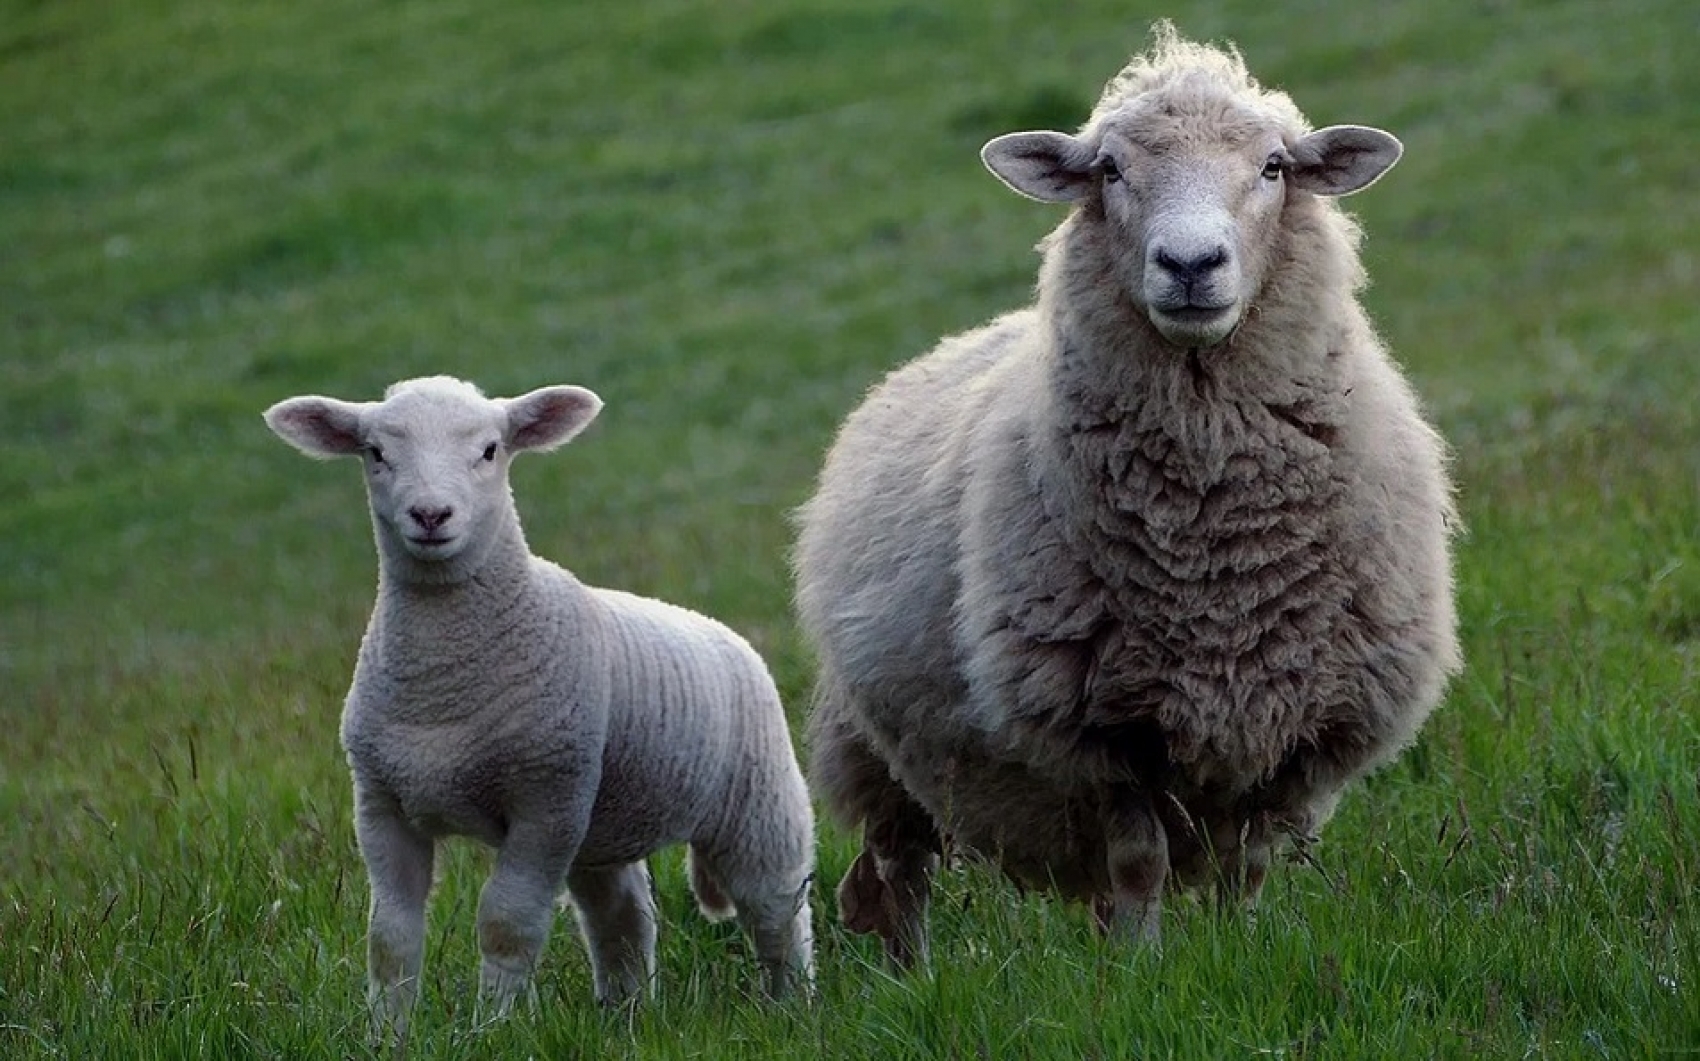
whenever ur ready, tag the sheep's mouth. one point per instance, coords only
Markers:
(1191, 325)
(430, 543)
(1191, 314)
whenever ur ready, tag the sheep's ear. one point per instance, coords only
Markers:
(549, 416)
(1049, 167)
(318, 427)
(1342, 159)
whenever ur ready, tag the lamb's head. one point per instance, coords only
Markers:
(436, 453)
(1181, 179)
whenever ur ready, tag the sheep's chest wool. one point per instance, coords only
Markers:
(1210, 525)
(1181, 520)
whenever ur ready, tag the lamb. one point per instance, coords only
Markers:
(1122, 589)
(574, 729)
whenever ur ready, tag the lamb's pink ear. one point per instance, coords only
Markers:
(318, 427)
(549, 416)
(1342, 159)
(1049, 167)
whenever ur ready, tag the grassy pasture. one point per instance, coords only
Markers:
(729, 219)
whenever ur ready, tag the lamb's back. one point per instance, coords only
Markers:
(692, 714)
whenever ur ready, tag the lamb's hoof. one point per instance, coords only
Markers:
(1103, 914)
(499, 990)
(622, 990)
(1140, 921)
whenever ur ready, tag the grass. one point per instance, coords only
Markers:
(729, 220)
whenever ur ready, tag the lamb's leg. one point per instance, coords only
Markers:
(780, 925)
(711, 897)
(516, 908)
(764, 874)
(1138, 852)
(398, 864)
(616, 914)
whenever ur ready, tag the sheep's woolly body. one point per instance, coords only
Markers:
(1059, 559)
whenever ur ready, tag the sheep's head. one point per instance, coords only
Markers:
(1186, 168)
(436, 453)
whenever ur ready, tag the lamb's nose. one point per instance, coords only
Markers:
(1192, 269)
(429, 519)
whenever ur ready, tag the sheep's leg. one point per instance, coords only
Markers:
(1295, 804)
(889, 886)
(616, 914)
(1245, 845)
(398, 864)
(1138, 852)
(516, 908)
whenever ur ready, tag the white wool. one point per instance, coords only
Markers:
(574, 729)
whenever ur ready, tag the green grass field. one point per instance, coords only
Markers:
(729, 220)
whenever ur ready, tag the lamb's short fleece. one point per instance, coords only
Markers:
(1123, 588)
(574, 729)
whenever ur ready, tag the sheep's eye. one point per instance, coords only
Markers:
(490, 452)
(1272, 168)
(1107, 168)
(376, 454)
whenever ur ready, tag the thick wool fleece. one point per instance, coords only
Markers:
(1058, 559)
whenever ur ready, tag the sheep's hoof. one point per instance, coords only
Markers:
(388, 1030)
(867, 903)
(906, 948)
(864, 900)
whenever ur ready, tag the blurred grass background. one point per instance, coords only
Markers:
(729, 220)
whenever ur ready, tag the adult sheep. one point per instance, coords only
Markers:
(1123, 587)
(574, 729)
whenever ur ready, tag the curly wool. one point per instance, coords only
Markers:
(1059, 556)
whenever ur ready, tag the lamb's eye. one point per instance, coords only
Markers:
(1272, 168)
(376, 454)
(490, 452)
(1107, 167)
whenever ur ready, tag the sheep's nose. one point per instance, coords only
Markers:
(429, 519)
(1190, 270)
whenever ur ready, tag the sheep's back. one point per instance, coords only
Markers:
(877, 544)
